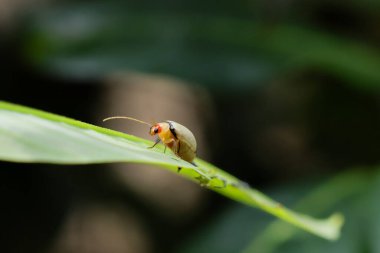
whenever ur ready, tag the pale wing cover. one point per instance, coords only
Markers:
(187, 140)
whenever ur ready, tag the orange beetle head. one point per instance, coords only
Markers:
(155, 129)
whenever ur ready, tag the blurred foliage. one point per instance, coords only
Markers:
(94, 39)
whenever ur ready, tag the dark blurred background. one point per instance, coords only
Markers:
(283, 94)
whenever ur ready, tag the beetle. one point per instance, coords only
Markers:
(173, 135)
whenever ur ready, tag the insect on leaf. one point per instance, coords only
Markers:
(32, 136)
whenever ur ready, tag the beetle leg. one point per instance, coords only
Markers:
(157, 141)
(178, 146)
(178, 143)
(175, 146)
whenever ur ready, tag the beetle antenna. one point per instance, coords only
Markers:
(129, 118)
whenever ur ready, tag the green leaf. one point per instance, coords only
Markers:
(255, 232)
(29, 135)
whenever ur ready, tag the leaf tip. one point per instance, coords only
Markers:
(336, 222)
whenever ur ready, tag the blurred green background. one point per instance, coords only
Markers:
(282, 94)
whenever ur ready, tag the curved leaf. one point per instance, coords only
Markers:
(28, 135)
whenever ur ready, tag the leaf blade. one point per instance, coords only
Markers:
(29, 135)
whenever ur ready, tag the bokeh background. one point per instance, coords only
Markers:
(283, 94)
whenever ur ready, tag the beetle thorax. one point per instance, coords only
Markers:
(165, 135)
